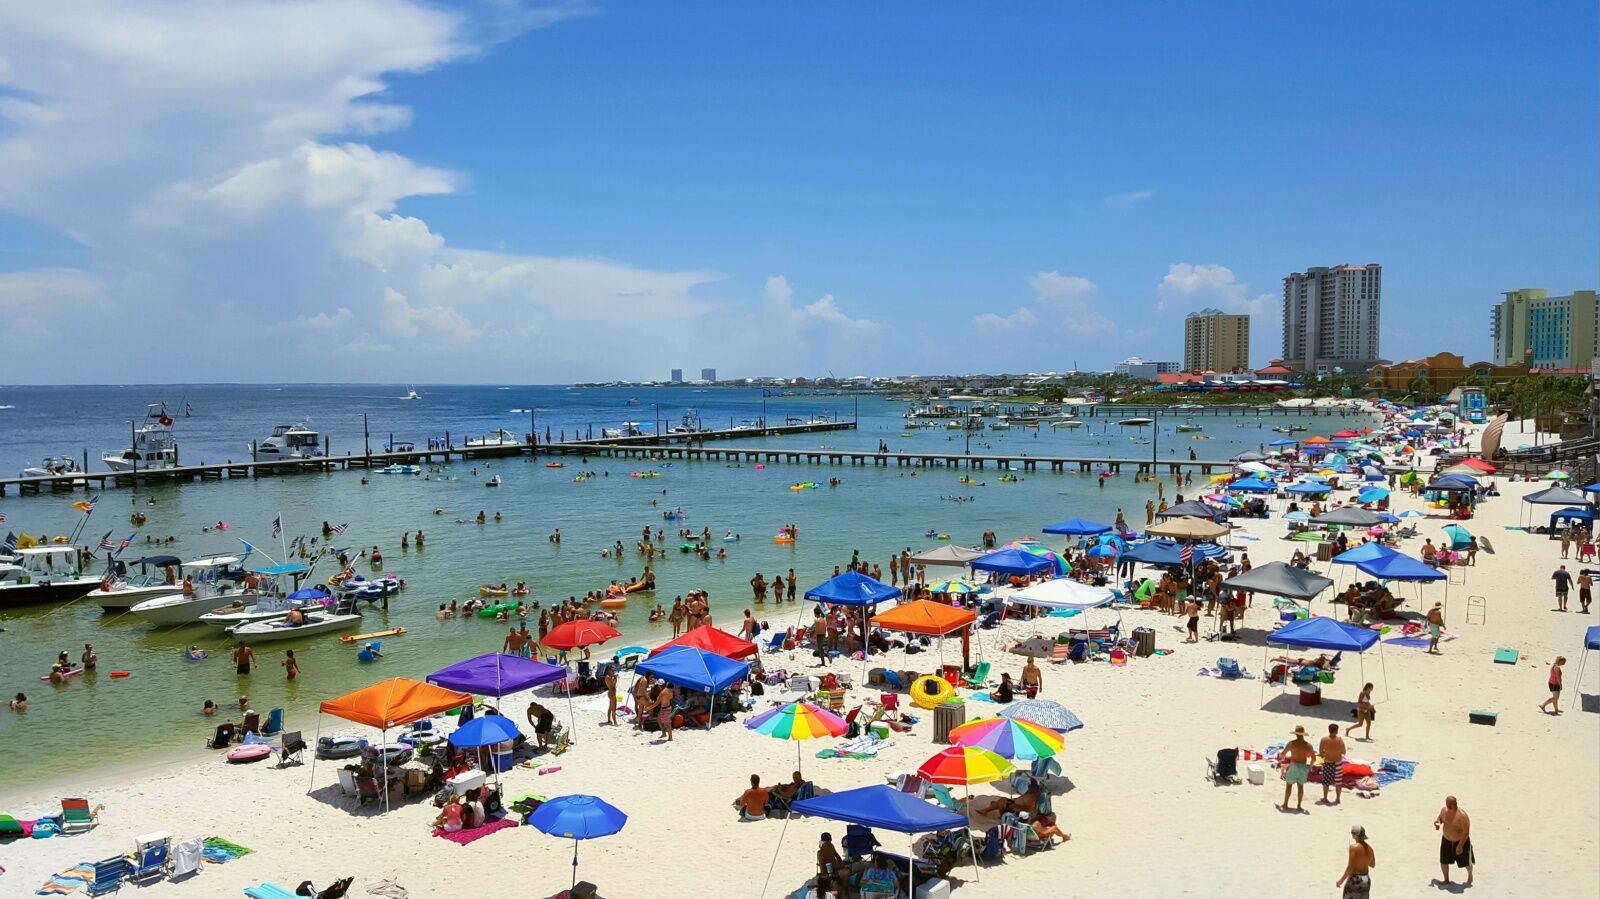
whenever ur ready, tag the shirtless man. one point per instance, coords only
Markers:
(1455, 839)
(641, 699)
(1332, 751)
(664, 710)
(1299, 754)
(1032, 679)
(243, 658)
(1357, 877)
(1191, 609)
(1435, 627)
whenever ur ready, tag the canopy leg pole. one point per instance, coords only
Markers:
(1385, 664)
(976, 877)
(775, 850)
(314, 742)
(572, 713)
(383, 736)
(1264, 674)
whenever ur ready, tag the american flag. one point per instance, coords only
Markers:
(294, 543)
(277, 526)
(1187, 556)
(106, 544)
(109, 579)
(341, 528)
(126, 542)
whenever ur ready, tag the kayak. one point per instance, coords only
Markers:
(391, 632)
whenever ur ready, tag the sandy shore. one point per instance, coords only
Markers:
(1141, 813)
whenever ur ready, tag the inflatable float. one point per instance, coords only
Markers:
(356, 638)
(497, 608)
(554, 465)
(929, 690)
(804, 485)
(614, 602)
(121, 674)
(521, 591)
(340, 747)
(782, 538)
(637, 586)
(250, 752)
(487, 590)
(70, 672)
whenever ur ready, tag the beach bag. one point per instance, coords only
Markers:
(1228, 667)
(993, 846)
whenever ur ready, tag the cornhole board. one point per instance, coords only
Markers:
(1504, 656)
(1482, 717)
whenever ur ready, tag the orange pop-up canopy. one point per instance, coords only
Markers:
(926, 617)
(394, 703)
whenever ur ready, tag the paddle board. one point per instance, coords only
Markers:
(391, 632)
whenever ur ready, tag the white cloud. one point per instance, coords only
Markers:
(1209, 283)
(1072, 302)
(1132, 198)
(1023, 317)
(1053, 285)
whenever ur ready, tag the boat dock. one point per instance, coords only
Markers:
(912, 459)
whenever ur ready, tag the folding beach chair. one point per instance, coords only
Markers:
(945, 798)
(152, 857)
(274, 722)
(108, 875)
(293, 745)
(979, 678)
(1225, 769)
(892, 678)
(776, 643)
(76, 816)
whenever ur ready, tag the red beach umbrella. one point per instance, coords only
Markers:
(578, 634)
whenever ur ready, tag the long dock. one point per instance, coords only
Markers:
(912, 458)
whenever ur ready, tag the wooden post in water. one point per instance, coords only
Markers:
(366, 439)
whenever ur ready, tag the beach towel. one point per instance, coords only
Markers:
(1390, 771)
(862, 748)
(69, 881)
(389, 889)
(219, 851)
(473, 834)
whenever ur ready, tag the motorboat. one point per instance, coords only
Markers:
(52, 467)
(400, 469)
(1289, 429)
(501, 437)
(1067, 423)
(291, 442)
(492, 482)
(628, 429)
(404, 446)
(412, 394)
(267, 607)
(1136, 422)
(153, 444)
(44, 574)
(126, 589)
(206, 582)
(1189, 427)
(689, 424)
(343, 616)
(1001, 425)
(370, 589)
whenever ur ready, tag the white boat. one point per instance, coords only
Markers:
(689, 424)
(400, 469)
(1067, 423)
(52, 466)
(1001, 425)
(266, 607)
(291, 442)
(43, 574)
(342, 617)
(209, 585)
(1136, 422)
(628, 429)
(370, 589)
(412, 394)
(501, 437)
(1189, 427)
(153, 444)
(492, 482)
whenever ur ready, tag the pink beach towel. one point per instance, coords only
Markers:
(463, 837)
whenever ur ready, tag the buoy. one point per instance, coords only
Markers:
(121, 673)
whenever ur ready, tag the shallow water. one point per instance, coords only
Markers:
(874, 510)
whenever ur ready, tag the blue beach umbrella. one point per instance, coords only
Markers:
(1102, 551)
(1372, 495)
(1298, 515)
(487, 730)
(577, 817)
(1044, 713)
(1412, 513)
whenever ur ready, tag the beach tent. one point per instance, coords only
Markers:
(1252, 485)
(1325, 634)
(1077, 527)
(951, 555)
(1013, 560)
(1309, 488)
(711, 640)
(1400, 567)
(1188, 528)
(395, 702)
(1280, 579)
(1572, 513)
(1350, 516)
(853, 589)
(931, 619)
(1190, 508)
(695, 668)
(1459, 537)
(496, 674)
(886, 808)
(1591, 643)
(1063, 593)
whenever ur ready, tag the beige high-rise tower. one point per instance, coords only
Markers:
(1214, 340)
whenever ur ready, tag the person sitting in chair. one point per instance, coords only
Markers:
(1028, 801)
(1319, 662)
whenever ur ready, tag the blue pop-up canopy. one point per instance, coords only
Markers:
(1252, 485)
(1452, 483)
(885, 807)
(1012, 560)
(853, 589)
(1077, 527)
(1400, 567)
(1308, 488)
(1283, 441)
(1330, 635)
(689, 666)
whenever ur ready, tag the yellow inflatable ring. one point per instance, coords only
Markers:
(929, 690)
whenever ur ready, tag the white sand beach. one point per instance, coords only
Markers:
(1143, 817)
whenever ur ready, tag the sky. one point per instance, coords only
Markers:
(495, 191)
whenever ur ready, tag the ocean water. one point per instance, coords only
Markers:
(875, 511)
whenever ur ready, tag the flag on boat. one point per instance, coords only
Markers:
(86, 506)
(248, 549)
(109, 579)
(341, 528)
(294, 543)
(277, 526)
(106, 544)
(126, 542)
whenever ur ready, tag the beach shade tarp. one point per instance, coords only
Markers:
(485, 730)
(1350, 516)
(394, 703)
(852, 589)
(1047, 712)
(1309, 488)
(1189, 508)
(577, 817)
(1554, 495)
(926, 617)
(1324, 633)
(1400, 567)
(576, 634)
(711, 640)
(689, 666)
(1279, 579)
(1077, 527)
(1188, 528)
(1366, 552)
(1013, 560)
(1460, 537)
(1252, 485)
(882, 807)
(953, 556)
(496, 674)
(1063, 593)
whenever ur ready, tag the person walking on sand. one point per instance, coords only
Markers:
(664, 710)
(1192, 610)
(1553, 704)
(1332, 751)
(1299, 753)
(1359, 862)
(1455, 839)
(1563, 579)
(1585, 590)
(1435, 627)
(1365, 712)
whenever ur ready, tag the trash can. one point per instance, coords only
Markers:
(1324, 552)
(1144, 642)
(946, 717)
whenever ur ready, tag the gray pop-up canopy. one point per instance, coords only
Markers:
(1350, 516)
(1556, 495)
(1280, 579)
(954, 556)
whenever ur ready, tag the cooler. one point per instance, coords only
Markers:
(933, 888)
(466, 780)
(1310, 695)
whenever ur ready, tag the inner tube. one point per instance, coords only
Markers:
(491, 591)
(614, 602)
(782, 538)
(929, 690)
(521, 591)
(339, 747)
(730, 539)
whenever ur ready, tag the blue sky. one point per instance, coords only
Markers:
(775, 190)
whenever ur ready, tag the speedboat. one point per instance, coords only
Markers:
(502, 437)
(400, 469)
(291, 442)
(1068, 423)
(369, 589)
(43, 574)
(1189, 427)
(208, 581)
(492, 482)
(52, 467)
(1001, 425)
(153, 444)
(267, 607)
(342, 617)
(412, 394)
(628, 429)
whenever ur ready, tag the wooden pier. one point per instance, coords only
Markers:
(912, 458)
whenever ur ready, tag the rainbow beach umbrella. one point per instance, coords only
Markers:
(965, 765)
(797, 721)
(1012, 738)
(1029, 545)
(960, 588)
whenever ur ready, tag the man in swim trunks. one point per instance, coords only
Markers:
(1435, 627)
(1455, 839)
(243, 658)
(1299, 754)
(1192, 610)
(1585, 591)
(543, 722)
(664, 710)
(1332, 751)
(1032, 679)
(1563, 579)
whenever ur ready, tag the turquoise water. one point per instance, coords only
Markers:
(874, 510)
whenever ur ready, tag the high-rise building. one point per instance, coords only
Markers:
(1545, 331)
(1214, 340)
(677, 376)
(708, 374)
(1330, 318)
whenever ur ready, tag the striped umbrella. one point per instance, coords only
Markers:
(1013, 738)
(965, 765)
(1044, 712)
(798, 721)
(960, 588)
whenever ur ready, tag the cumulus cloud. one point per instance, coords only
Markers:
(1186, 282)
(1023, 317)
(1129, 199)
(1071, 302)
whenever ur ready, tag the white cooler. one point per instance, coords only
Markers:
(1256, 774)
(937, 888)
(466, 780)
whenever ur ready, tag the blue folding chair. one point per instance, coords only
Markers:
(152, 858)
(108, 875)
